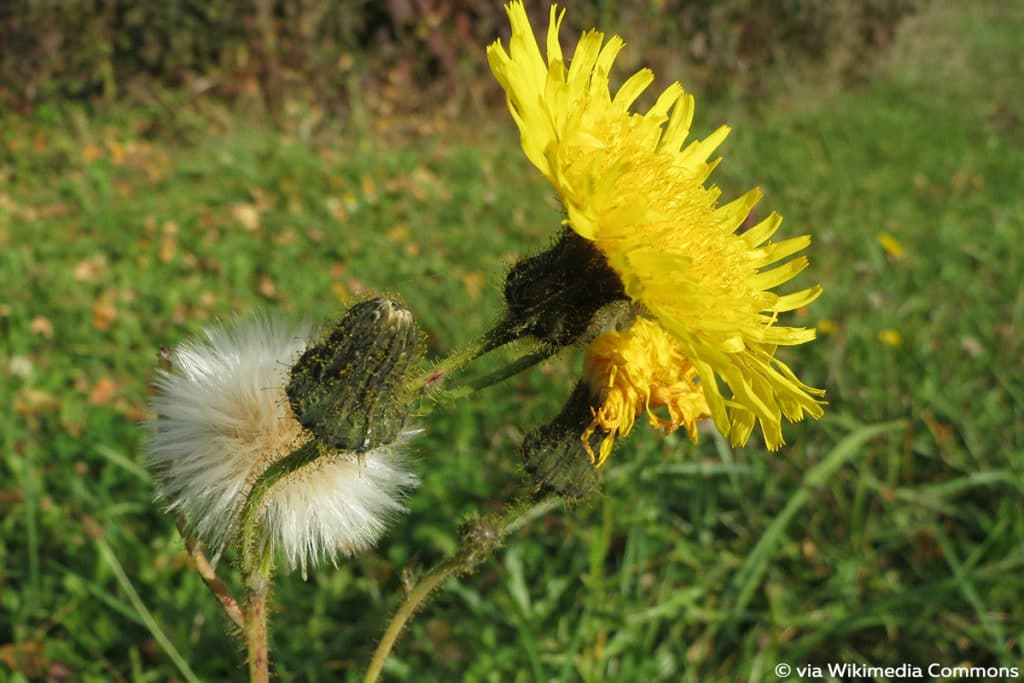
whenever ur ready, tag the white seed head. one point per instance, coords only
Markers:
(223, 418)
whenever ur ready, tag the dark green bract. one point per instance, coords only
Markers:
(554, 455)
(554, 295)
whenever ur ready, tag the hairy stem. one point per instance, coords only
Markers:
(249, 524)
(415, 598)
(256, 628)
(496, 338)
(524, 362)
(474, 550)
(209, 575)
(466, 387)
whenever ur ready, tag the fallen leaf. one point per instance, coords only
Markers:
(248, 215)
(103, 391)
(104, 312)
(88, 270)
(34, 402)
(336, 208)
(28, 657)
(399, 233)
(135, 413)
(266, 286)
(91, 153)
(116, 152)
(42, 326)
(473, 283)
(9, 496)
(972, 347)
(168, 248)
(369, 187)
(941, 432)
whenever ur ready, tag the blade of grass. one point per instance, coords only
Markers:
(122, 461)
(96, 533)
(748, 578)
(970, 594)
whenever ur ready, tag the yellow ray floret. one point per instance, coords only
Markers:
(630, 186)
(639, 371)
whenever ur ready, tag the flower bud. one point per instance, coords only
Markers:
(349, 388)
(556, 457)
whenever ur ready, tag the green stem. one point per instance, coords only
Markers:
(249, 524)
(497, 337)
(476, 547)
(470, 386)
(413, 600)
(524, 362)
(256, 641)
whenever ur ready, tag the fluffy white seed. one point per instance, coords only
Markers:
(223, 418)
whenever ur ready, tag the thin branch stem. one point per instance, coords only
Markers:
(468, 387)
(415, 598)
(522, 363)
(499, 336)
(469, 556)
(209, 575)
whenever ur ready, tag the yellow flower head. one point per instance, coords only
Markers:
(636, 371)
(630, 187)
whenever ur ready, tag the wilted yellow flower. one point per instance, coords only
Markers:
(630, 187)
(638, 371)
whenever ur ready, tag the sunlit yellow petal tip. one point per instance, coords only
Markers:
(633, 186)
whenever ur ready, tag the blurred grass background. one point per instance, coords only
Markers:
(174, 177)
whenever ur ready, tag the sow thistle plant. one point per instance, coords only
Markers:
(284, 445)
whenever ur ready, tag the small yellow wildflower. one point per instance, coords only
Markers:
(891, 338)
(828, 327)
(630, 187)
(640, 370)
(893, 247)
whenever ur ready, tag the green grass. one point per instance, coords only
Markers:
(888, 532)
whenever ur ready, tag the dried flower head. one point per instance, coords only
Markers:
(224, 418)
